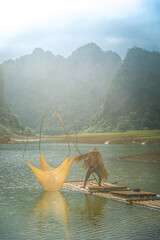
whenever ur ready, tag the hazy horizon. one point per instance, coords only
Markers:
(62, 27)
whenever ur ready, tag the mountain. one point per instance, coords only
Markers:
(2, 101)
(75, 86)
(132, 101)
(9, 123)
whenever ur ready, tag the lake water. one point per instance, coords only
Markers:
(28, 212)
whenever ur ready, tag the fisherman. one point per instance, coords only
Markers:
(94, 162)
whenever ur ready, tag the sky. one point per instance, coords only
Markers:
(62, 26)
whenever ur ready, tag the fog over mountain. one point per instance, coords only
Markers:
(75, 85)
(96, 89)
(9, 122)
(132, 101)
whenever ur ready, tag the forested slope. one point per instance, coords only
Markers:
(132, 101)
(9, 123)
(75, 85)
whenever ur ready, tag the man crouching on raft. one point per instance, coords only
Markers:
(94, 162)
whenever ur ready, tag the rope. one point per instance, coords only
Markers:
(62, 124)
(31, 134)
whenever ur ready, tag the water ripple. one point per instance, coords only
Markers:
(27, 212)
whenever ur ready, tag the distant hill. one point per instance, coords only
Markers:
(9, 123)
(132, 101)
(75, 85)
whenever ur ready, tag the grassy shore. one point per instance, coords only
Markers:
(130, 137)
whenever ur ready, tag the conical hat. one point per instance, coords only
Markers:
(94, 150)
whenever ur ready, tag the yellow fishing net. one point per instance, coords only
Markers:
(51, 179)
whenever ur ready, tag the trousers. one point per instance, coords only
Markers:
(97, 171)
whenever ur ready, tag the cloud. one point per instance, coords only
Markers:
(18, 15)
(62, 26)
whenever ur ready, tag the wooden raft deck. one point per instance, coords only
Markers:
(116, 192)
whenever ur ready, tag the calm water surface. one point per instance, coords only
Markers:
(28, 212)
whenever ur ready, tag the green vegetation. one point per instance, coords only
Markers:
(128, 134)
(73, 85)
(93, 87)
(9, 123)
(129, 137)
(132, 100)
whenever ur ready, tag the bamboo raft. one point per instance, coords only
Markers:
(115, 192)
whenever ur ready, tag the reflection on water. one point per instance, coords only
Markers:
(27, 212)
(52, 204)
(93, 209)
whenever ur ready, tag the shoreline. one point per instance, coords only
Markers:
(130, 137)
(153, 157)
(109, 140)
(86, 138)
